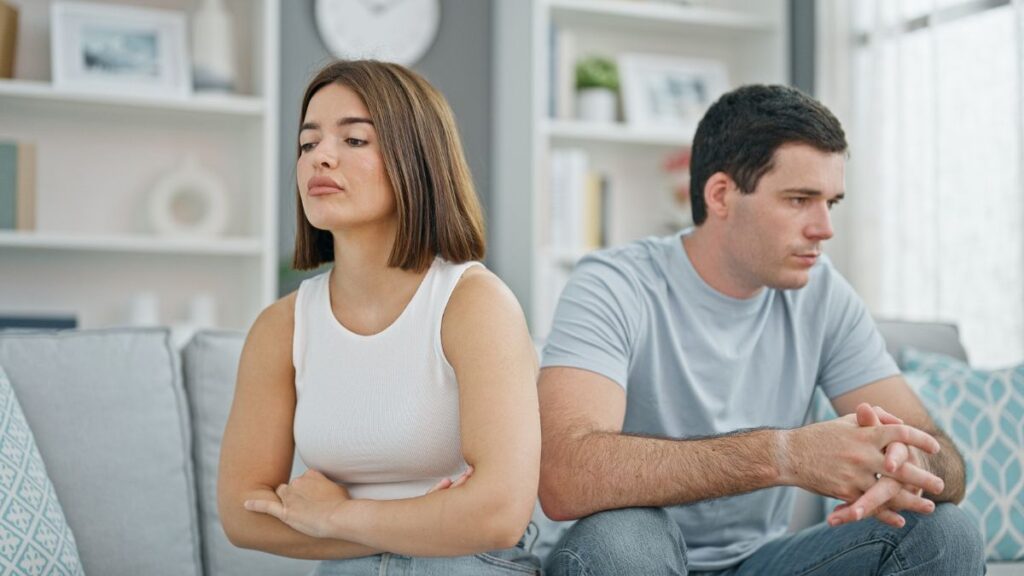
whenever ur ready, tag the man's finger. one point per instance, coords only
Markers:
(920, 478)
(891, 518)
(881, 492)
(889, 433)
(896, 454)
(866, 415)
(908, 500)
(885, 417)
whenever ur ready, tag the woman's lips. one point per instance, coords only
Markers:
(322, 185)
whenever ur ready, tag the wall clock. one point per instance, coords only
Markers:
(397, 31)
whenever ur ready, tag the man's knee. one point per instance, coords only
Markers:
(951, 537)
(638, 540)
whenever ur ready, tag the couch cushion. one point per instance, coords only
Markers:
(938, 337)
(983, 412)
(109, 416)
(34, 535)
(211, 366)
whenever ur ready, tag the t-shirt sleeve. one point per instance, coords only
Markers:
(854, 353)
(595, 321)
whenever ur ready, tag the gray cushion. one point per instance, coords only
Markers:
(211, 365)
(108, 413)
(938, 337)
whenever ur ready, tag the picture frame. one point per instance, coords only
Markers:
(117, 49)
(667, 93)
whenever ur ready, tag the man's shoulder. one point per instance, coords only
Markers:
(636, 260)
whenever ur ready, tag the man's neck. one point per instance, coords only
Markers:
(715, 266)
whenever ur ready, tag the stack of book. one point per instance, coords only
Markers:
(578, 203)
(17, 185)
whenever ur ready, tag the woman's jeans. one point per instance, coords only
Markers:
(516, 561)
(648, 541)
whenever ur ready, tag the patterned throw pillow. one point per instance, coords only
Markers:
(34, 536)
(983, 412)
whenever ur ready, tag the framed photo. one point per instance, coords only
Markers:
(119, 49)
(669, 93)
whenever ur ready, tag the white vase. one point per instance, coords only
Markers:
(188, 201)
(213, 48)
(595, 105)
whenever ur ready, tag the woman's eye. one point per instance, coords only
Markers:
(308, 146)
(355, 142)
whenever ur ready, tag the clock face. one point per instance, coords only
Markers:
(398, 31)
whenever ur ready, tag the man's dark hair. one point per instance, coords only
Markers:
(740, 133)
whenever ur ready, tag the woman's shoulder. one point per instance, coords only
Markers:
(479, 294)
(276, 322)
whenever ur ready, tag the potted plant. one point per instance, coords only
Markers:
(597, 84)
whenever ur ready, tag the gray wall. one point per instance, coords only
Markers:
(802, 45)
(458, 64)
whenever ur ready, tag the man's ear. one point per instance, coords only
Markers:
(716, 194)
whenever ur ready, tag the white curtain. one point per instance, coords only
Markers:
(930, 94)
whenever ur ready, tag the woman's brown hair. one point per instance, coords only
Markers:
(438, 210)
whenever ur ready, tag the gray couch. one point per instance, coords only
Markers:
(929, 337)
(130, 433)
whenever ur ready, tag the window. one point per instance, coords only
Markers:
(935, 118)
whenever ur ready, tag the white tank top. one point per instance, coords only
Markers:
(378, 414)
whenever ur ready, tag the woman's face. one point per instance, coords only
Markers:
(340, 172)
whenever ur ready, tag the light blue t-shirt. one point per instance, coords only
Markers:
(695, 362)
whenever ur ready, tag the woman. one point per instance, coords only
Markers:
(405, 366)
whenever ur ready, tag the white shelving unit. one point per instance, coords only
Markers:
(748, 36)
(98, 158)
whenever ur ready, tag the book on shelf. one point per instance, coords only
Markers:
(562, 74)
(8, 38)
(578, 203)
(38, 322)
(17, 185)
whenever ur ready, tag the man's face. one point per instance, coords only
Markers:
(776, 234)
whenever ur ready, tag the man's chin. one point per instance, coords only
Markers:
(791, 281)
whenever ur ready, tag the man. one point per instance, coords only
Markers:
(679, 372)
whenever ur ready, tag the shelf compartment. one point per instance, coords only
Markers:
(582, 132)
(654, 16)
(36, 94)
(128, 243)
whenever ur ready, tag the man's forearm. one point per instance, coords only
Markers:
(607, 470)
(948, 464)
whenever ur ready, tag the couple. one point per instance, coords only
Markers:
(674, 384)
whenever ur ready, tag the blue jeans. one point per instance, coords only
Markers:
(648, 541)
(515, 561)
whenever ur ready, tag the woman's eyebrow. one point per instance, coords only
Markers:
(347, 120)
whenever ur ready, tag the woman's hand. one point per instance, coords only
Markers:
(446, 483)
(307, 504)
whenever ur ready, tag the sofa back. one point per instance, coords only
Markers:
(130, 434)
(210, 363)
(109, 415)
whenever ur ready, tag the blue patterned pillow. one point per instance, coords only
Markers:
(34, 536)
(983, 412)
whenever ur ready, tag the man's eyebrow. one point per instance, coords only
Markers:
(346, 121)
(810, 192)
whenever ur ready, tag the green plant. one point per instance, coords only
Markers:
(596, 72)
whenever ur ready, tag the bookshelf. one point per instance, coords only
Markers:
(93, 249)
(747, 37)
